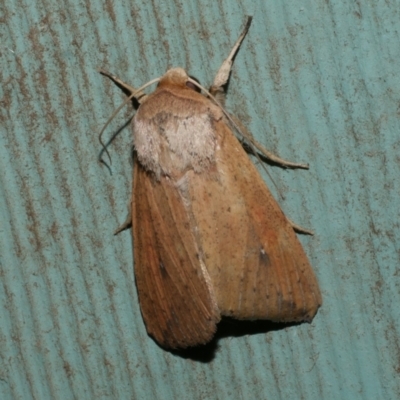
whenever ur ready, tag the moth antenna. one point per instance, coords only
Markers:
(104, 148)
(250, 140)
(134, 93)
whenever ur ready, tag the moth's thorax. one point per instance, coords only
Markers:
(174, 130)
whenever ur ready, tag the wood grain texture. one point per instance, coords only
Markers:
(316, 82)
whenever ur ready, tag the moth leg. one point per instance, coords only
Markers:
(217, 89)
(140, 96)
(272, 157)
(299, 228)
(128, 221)
(263, 151)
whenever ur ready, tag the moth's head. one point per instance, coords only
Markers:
(179, 78)
(174, 76)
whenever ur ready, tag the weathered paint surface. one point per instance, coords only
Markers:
(316, 82)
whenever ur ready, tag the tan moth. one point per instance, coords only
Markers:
(209, 239)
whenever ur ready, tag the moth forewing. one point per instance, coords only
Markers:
(176, 296)
(256, 263)
(209, 239)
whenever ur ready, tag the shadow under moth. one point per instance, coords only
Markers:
(209, 239)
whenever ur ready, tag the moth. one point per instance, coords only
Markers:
(209, 239)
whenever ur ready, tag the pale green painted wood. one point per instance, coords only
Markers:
(314, 81)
